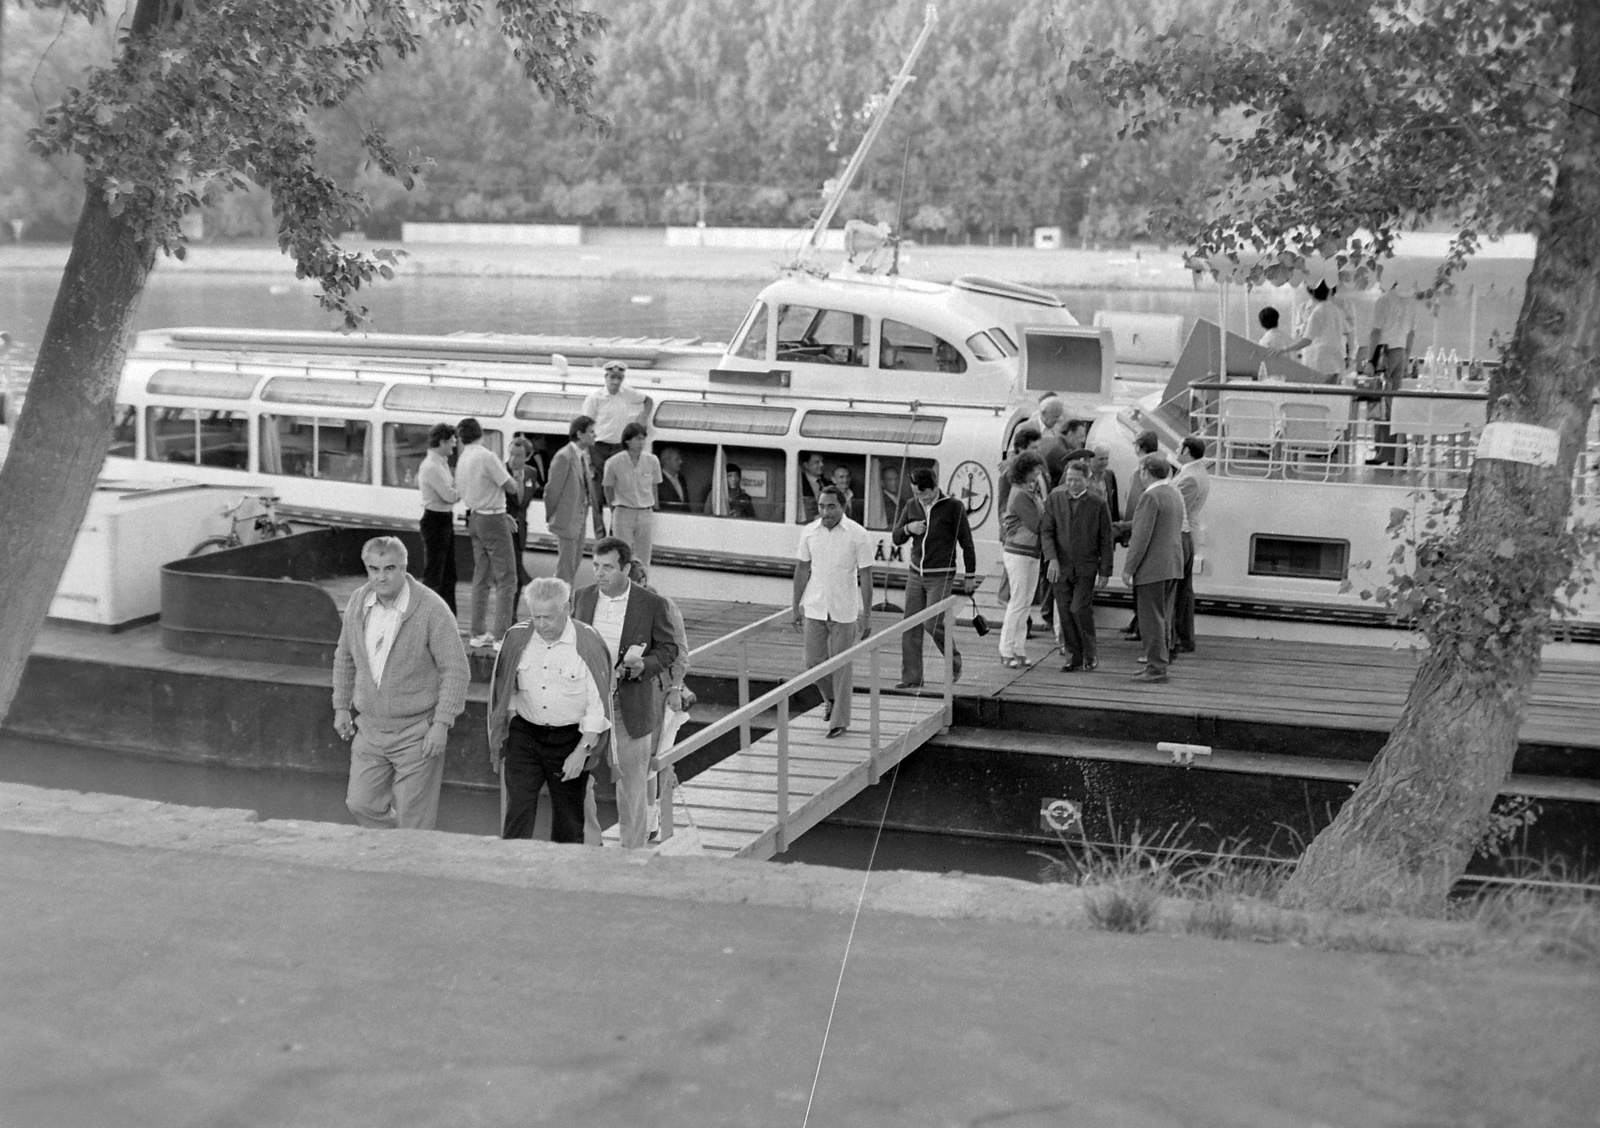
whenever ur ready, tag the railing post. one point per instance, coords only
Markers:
(782, 835)
(949, 615)
(665, 778)
(872, 731)
(744, 693)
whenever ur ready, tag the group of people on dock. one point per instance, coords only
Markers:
(1062, 517)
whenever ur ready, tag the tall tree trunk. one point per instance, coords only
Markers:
(60, 440)
(1406, 835)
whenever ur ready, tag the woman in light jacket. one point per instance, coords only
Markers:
(1019, 531)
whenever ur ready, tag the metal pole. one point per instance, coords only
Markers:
(665, 779)
(782, 835)
(949, 665)
(744, 693)
(901, 80)
(873, 739)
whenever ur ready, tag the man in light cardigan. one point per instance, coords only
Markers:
(401, 665)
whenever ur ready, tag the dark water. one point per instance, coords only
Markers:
(277, 794)
(664, 308)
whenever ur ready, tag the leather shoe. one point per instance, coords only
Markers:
(908, 685)
(1071, 667)
(839, 730)
(1091, 664)
(1148, 675)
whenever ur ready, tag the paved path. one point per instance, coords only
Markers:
(206, 985)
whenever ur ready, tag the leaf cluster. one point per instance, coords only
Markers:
(1343, 124)
(209, 97)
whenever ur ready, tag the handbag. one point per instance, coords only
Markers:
(979, 623)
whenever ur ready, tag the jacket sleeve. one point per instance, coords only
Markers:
(1106, 540)
(444, 643)
(560, 471)
(899, 535)
(663, 649)
(1112, 498)
(969, 551)
(1047, 533)
(344, 662)
(1144, 520)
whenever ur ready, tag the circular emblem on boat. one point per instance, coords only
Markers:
(970, 484)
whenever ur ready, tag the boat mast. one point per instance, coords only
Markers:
(901, 81)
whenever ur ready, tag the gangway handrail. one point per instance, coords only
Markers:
(741, 717)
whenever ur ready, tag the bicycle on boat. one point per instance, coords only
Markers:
(262, 523)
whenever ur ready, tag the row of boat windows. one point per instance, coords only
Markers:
(719, 480)
(811, 335)
(449, 401)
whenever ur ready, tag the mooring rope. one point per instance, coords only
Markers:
(843, 963)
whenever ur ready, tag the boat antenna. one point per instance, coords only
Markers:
(846, 178)
(900, 209)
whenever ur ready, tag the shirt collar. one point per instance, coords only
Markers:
(616, 598)
(401, 603)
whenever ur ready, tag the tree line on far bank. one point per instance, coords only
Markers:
(731, 111)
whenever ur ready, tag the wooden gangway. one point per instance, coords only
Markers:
(756, 802)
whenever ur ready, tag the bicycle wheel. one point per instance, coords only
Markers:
(210, 545)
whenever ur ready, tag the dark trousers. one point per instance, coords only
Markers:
(439, 555)
(519, 542)
(1153, 605)
(920, 592)
(598, 455)
(1075, 613)
(1183, 601)
(534, 756)
(1044, 599)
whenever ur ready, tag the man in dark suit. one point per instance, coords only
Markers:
(811, 483)
(636, 627)
(1076, 541)
(1155, 563)
(673, 494)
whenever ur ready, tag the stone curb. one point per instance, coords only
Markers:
(120, 821)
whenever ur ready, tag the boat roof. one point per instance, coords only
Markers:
(953, 310)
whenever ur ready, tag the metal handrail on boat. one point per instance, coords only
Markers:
(740, 718)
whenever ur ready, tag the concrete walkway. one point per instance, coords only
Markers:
(173, 967)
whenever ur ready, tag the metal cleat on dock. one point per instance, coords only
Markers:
(1183, 753)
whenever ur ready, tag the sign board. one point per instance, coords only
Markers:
(1520, 442)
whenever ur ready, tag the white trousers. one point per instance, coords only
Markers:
(1023, 574)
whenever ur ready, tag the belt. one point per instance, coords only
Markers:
(519, 719)
(644, 507)
(488, 512)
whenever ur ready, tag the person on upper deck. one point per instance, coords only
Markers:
(612, 408)
(1276, 337)
(1326, 337)
(937, 527)
(1394, 330)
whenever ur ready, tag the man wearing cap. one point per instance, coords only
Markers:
(612, 408)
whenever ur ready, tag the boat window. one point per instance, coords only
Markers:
(746, 419)
(198, 437)
(821, 336)
(1004, 340)
(866, 426)
(549, 407)
(124, 432)
(688, 473)
(198, 382)
(404, 447)
(323, 393)
(907, 348)
(1308, 558)
(302, 446)
(750, 487)
(892, 473)
(984, 348)
(437, 400)
(753, 345)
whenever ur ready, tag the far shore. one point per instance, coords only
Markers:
(1144, 268)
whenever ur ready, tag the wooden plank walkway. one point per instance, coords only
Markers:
(733, 806)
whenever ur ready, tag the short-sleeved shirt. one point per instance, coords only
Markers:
(555, 686)
(437, 486)
(1326, 327)
(634, 483)
(611, 413)
(1394, 318)
(481, 479)
(837, 556)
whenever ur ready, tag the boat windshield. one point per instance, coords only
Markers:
(821, 336)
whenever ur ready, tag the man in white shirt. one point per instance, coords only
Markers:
(549, 713)
(833, 597)
(612, 408)
(631, 478)
(436, 482)
(482, 480)
(1193, 482)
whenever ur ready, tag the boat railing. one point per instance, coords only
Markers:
(780, 698)
(1416, 437)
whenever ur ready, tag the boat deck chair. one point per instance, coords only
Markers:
(1307, 433)
(1248, 435)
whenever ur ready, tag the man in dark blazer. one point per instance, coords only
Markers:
(1155, 563)
(1076, 541)
(672, 496)
(566, 496)
(636, 627)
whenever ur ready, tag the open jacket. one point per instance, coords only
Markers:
(566, 494)
(426, 673)
(1077, 537)
(647, 623)
(503, 685)
(1155, 550)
